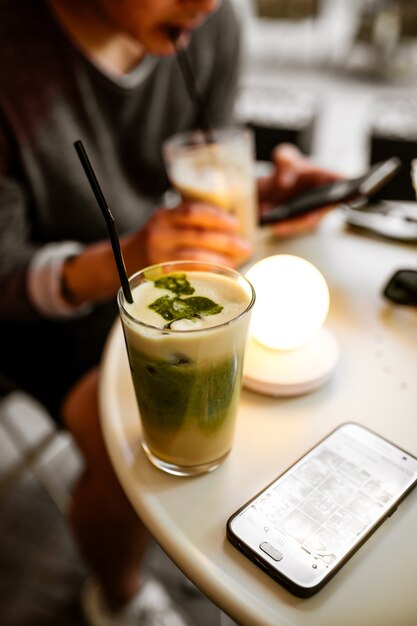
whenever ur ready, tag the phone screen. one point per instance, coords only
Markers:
(304, 525)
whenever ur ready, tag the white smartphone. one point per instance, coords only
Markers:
(309, 521)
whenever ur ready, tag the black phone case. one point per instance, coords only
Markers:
(332, 193)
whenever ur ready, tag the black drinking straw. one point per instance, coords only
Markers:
(192, 88)
(115, 244)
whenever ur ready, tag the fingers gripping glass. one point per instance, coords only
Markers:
(402, 288)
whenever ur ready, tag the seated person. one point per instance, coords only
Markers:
(105, 72)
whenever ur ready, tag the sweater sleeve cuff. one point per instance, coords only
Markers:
(44, 281)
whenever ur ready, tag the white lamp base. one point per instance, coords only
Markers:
(291, 372)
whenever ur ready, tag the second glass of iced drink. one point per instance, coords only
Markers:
(218, 171)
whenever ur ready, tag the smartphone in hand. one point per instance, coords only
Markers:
(307, 523)
(333, 193)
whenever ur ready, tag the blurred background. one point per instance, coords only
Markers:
(336, 77)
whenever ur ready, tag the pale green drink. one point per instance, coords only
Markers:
(185, 336)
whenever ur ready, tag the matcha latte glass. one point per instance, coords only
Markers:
(185, 335)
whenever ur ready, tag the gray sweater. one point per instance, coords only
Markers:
(50, 96)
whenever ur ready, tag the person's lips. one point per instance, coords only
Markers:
(179, 36)
(185, 26)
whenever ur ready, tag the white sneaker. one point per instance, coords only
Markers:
(151, 606)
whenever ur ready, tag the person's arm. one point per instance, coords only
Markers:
(16, 250)
(34, 281)
(63, 279)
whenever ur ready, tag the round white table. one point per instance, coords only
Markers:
(375, 383)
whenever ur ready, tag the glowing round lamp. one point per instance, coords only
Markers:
(289, 351)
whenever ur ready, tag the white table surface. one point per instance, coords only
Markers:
(375, 383)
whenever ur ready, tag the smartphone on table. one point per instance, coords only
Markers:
(308, 522)
(342, 190)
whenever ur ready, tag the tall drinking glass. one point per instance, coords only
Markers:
(219, 172)
(185, 335)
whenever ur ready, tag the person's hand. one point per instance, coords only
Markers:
(293, 174)
(188, 232)
(195, 231)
